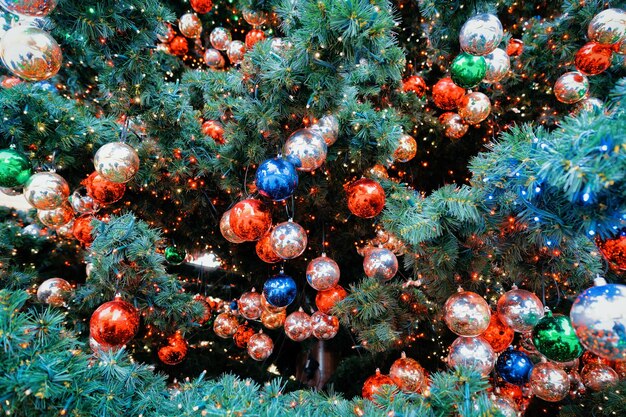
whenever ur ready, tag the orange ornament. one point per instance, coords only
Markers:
(242, 335)
(325, 300)
(102, 190)
(9, 82)
(593, 58)
(614, 251)
(214, 130)
(515, 47)
(446, 94)
(378, 171)
(179, 46)
(366, 198)
(174, 351)
(82, 229)
(499, 335)
(273, 320)
(250, 219)
(408, 374)
(225, 325)
(254, 36)
(201, 6)
(406, 150)
(265, 252)
(114, 323)
(373, 385)
(416, 84)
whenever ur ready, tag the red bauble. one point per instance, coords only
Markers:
(214, 130)
(265, 252)
(499, 335)
(416, 84)
(242, 335)
(614, 251)
(515, 47)
(250, 219)
(82, 229)
(201, 6)
(254, 36)
(179, 46)
(174, 351)
(446, 94)
(593, 58)
(374, 384)
(366, 198)
(102, 190)
(325, 300)
(114, 323)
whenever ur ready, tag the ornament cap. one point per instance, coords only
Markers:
(599, 281)
(403, 355)
(460, 289)
(377, 371)
(514, 286)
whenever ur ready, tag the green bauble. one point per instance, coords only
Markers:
(175, 255)
(468, 70)
(555, 338)
(14, 168)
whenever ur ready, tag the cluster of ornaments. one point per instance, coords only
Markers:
(405, 374)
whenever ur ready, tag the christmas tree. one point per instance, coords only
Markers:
(313, 208)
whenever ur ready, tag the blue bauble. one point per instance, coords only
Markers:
(280, 290)
(276, 178)
(514, 366)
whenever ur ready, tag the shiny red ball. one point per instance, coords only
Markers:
(614, 251)
(416, 84)
(254, 36)
(366, 198)
(102, 190)
(325, 300)
(250, 219)
(593, 58)
(373, 385)
(174, 351)
(499, 335)
(515, 47)
(446, 94)
(242, 335)
(114, 323)
(214, 130)
(201, 6)
(179, 46)
(265, 252)
(82, 229)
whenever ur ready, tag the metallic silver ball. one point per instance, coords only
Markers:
(589, 104)
(236, 51)
(324, 327)
(116, 161)
(474, 107)
(380, 263)
(57, 217)
(498, 65)
(53, 291)
(520, 310)
(30, 53)
(82, 203)
(306, 149)
(298, 326)
(10, 191)
(571, 87)
(549, 382)
(32, 230)
(453, 125)
(254, 17)
(220, 38)
(66, 231)
(467, 313)
(190, 25)
(608, 27)
(46, 190)
(288, 240)
(36, 8)
(280, 45)
(472, 352)
(214, 59)
(328, 127)
(481, 34)
(322, 273)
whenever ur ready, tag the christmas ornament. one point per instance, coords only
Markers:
(306, 149)
(82, 229)
(407, 374)
(114, 323)
(614, 251)
(325, 300)
(598, 377)
(264, 250)
(166, 33)
(250, 305)
(505, 406)
(608, 27)
(589, 104)
(201, 6)
(298, 326)
(499, 335)
(466, 313)
(280, 290)
(472, 352)
(30, 53)
(174, 351)
(254, 17)
(65, 231)
(467, 70)
(593, 58)
(366, 198)
(235, 52)
(56, 217)
(214, 59)
(590, 357)
(599, 316)
(554, 338)
(214, 129)
(116, 162)
(548, 382)
(100, 348)
(14, 168)
(446, 94)
(206, 310)
(324, 327)
(453, 125)
(36, 8)
(380, 263)
(515, 47)
(571, 87)
(481, 34)
(378, 171)
(260, 346)
(474, 107)
(276, 179)
(46, 190)
(498, 65)
(102, 190)
(175, 255)
(227, 231)
(250, 219)
(225, 325)
(322, 273)
(32, 230)
(576, 386)
(54, 291)
(11, 191)
(514, 366)
(406, 149)
(242, 335)
(220, 38)
(273, 320)
(328, 127)
(520, 309)
(190, 25)
(288, 240)
(253, 36)
(179, 46)
(416, 84)
(374, 384)
(620, 368)
(10, 82)
(268, 307)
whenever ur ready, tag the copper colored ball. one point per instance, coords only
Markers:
(324, 327)
(515, 47)
(227, 231)
(253, 36)
(214, 130)
(102, 190)
(268, 307)
(549, 382)
(114, 323)
(190, 25)
(57, 217)
(373, 385)
(406, 150)
(366, 198)
(499, 335)
(593, 58)
(54, 291)
(407, 374)
(178, 46)
(273, 320)
(260, 346)
(250, 305)
(250, 219)
(298, 326)
(325, 300)
(378, 171)
(225, 325)
(174, 351)
(614, 251)
(265, 252)
(454, 127)
(82, 229)
(242, 335)
(598, 377)
(416, 84)
(446, 94)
